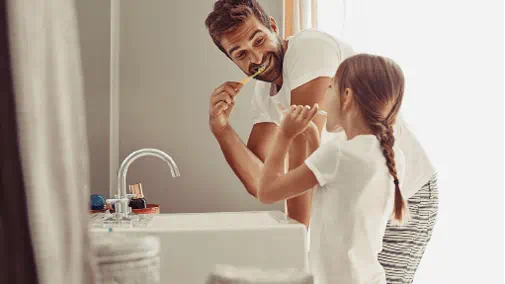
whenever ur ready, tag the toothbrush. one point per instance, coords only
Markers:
(285, 110)
(262, 68)
(246, 79)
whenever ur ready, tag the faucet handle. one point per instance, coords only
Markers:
(112, 200)
(122, 202)
(120, 206)
(115, 200)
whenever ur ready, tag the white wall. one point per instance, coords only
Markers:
(451, 53)
(168, 68)
(93, 18)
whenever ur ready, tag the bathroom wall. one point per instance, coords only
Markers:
(168, 68)
(94, 31)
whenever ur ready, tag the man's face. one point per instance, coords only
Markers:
(251, 45)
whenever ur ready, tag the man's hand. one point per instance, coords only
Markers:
(222, 102)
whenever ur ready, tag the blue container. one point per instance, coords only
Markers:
(97, 202)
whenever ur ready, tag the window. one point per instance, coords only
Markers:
(451, 55)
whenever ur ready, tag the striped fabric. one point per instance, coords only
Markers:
(403, 247)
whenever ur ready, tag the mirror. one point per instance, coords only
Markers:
(166, 67)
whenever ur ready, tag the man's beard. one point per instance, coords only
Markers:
(274, 61)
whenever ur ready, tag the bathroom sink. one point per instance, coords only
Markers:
(192, 244)
(233, 220)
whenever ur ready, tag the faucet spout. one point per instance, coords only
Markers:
(123, 170)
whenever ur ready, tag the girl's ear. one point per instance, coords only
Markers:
(347, 100)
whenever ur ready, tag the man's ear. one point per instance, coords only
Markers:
(274, 26)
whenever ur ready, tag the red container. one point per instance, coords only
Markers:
(150, 209)
(97, 211)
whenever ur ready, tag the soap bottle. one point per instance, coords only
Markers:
(137, 202)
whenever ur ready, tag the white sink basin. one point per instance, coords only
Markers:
(192, 244)
(233, 220)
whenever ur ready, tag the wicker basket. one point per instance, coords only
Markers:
(150, 209)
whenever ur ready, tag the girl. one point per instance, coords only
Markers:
(358, 179)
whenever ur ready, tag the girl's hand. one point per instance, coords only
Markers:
(312, 135)
(297, 120)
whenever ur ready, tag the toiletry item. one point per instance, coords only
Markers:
(137, 202)
(97, 202)
(285, 110)
(246, 79)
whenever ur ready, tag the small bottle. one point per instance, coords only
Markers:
(137, 202)
(97, 202)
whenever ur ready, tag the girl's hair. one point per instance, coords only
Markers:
(377, 84)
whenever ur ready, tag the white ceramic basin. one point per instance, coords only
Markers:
(192, 244)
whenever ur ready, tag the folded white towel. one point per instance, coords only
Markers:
(120, 247)
(132, 272)
(125, 259)
(225, 274)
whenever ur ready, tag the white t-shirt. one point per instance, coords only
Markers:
(350, 209)
(312, 54)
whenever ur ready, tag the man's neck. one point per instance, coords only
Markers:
(279, 80)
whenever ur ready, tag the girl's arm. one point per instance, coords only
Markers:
(312, 137)
(274, 185)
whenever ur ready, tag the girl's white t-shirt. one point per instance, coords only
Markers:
(350, 209)
(312, 54)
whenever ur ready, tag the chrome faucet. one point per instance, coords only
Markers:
(121, 202)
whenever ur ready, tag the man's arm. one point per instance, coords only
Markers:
(261, 139)
(310, 93)
(275, 185)
(247, 161)
(299, 207)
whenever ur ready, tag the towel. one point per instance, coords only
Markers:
(226, 274)
(122, 258)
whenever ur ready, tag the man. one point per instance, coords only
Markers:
(250, 39)
(298, 72)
